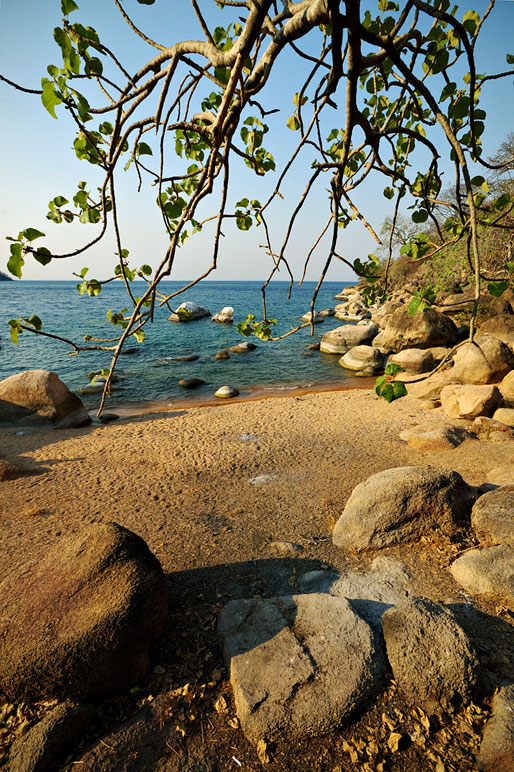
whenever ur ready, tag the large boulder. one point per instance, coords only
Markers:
(342, 338)
(488, 572)
(40, 397)
(225, 316)
(299, 665)
(362, 359)
(507, 389)
(486, 360)
(469, 401)
(80, 620)
(497, 748)
(432, 659)
(188, 312)
(402, 504)
(428, 388)
(505, 415)
(492, 516)
(422, 330)
(413, 360)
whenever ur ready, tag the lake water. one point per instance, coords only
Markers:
(147, 379)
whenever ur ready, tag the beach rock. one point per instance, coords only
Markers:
(485, 427)
(414, 360)
(469, 401)
(429, 388)
(80, 620)
(190, 383)
(385, 584)
(362, 358)
(504, 415)
(422, 330)
(486, 360)
(243, 347)
(299, 665)
(222, 355)
(492, 517)
(307, 317)
(497, 747)
(390, 507)
(433, 661)
(188, 312)
(501, 475)
(507, 389)
(327, 312)
(226, 392)
(108, 418)
(339, 340)
(51, 739)
(438, 436)
(185, 358)
(36, 397)
(225, 316)
(488, 572)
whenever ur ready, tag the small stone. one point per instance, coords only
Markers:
(185, 358)
(226, 392)
(225, 316)
(223, 355)
(107, 418)
(190, 383)
(313, 346)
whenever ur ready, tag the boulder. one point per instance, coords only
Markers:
(80, 620)
(37, 397)
(504, 415)
(347, 292)
(188, 312)
(501, 475)
(486, 360)
(497, 747)
(485, 428)
(380, 314)
(422, 330)
(243, 347)
(500, 326)
(469, 401)
(339, 340)
(51, 739)
(190, 383)
(488, 572)
(430, 436)
(313, 346)
(402, 504)
(300, 665)
(223, 355)
(362, 358)
(327, 312)
(414, 360)
(184, 358)
(226, 392)
(492, 517)
(433, 661)
(317, 319)
(507, 389)
(428, 388)
(225, 316)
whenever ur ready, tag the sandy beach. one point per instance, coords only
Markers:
(211, 488)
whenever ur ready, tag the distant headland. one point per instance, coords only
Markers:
(4, 277)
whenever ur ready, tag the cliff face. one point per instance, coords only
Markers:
(4, 277)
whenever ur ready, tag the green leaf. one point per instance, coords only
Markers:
(510, 58)
(139, 335)
(297, 101)
(16, 261)
(146, 2)
(49, 97)
(146, 269)
(509, 267)
(413, 306)
(389, 193)
(293, 123)
(497, 288)
(15, 330)
(31, 234)
(67, 6)
(34, 321)
(419, 215)
(392, 391)
(42, 255)
(393, 369)
(470, 21)
(143, 149)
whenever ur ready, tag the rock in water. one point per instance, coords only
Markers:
(40, 397)
(339, 340)
(188, 312)
(190, 383)
(226, 392)
(433, 661)
(299, 665)
(80, 621)
(401, 504)
(225, 316)
(243, 347)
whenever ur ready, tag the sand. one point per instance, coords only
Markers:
(210, 488)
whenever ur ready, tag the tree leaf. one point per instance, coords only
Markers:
(293, 123)
(16, 261)
(49, 97)
(143, 149)
(31, 234)
(67, 6)
(497, 288)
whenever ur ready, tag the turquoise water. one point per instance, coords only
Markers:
(146, 378)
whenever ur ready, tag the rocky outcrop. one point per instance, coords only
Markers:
(299, 665)
(38, 397)
(432, 659)
(225, 316)
(339, 340)
(391, 507)
(80, 620)
(422, 330)
(486, 360)
(469, 401)
(316, 319)
(189, 312)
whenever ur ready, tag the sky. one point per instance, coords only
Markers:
(37, 162)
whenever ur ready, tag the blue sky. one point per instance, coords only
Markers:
(37, 163)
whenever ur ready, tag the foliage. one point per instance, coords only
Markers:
(407, 74)
(387, 387)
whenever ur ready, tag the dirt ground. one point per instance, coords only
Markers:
(210, 489)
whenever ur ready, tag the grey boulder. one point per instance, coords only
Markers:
(299, 665)
(492, 517)
(401, 504)
(486, 360)
(488, 572)
(433, 661)
(38, 397)
(81, 620)
(423, 330)
(342, 338)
